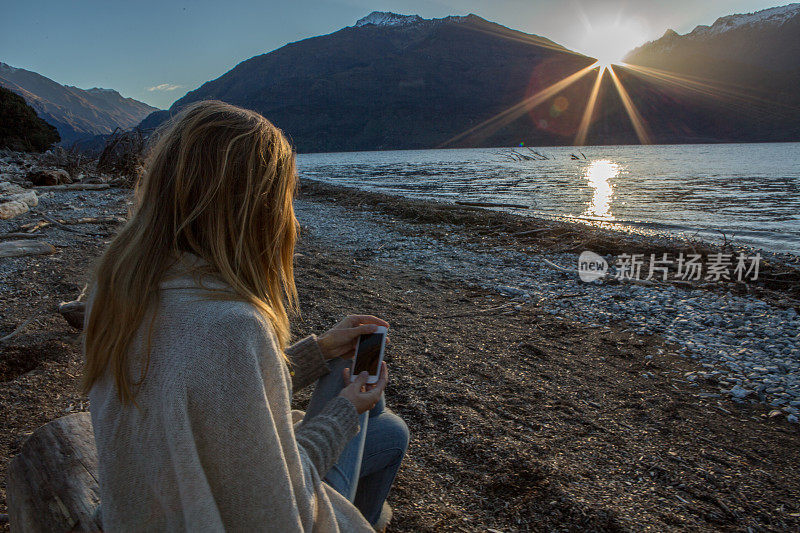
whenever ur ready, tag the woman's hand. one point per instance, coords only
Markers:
(366, 399)
(340, 340)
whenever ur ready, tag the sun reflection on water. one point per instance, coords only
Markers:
(599, 174)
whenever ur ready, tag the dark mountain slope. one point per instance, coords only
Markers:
(20, 127)
(414, 83)
(737, 80)
(76, 113)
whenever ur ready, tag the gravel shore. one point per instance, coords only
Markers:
(535, 401)
(749, 346)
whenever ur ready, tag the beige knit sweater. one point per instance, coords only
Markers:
(215, 444)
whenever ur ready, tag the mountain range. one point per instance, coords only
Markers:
(395, 81)
(76, 113)
(739, 77)
(766, 40)
(400, 81)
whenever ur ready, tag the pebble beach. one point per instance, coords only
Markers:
(535, 400)
(751, 347)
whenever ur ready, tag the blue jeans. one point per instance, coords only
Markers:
(368, 464)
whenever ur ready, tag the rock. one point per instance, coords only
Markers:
(12, 208)
(792, 419)
(12, 205)
(739, 392)
(48, 177)
(6, 187)
(511, 291)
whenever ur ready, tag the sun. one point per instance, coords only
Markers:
(609, 41)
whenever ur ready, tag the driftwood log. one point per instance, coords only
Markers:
(52, 482)
(490, 204)
(25, 247)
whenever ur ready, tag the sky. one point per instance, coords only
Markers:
(156, 51)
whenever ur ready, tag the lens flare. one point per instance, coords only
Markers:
(630, 108)
(487, 127)
(583, 129)
(722, 93)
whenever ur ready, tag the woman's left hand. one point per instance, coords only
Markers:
(340, 340)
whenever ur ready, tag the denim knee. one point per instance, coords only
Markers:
(397, 433)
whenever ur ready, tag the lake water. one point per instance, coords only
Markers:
(751, 192)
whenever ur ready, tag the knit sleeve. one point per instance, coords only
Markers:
(324, 437)
(240, 417)
(308, 363)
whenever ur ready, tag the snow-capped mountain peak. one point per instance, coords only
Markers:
(384, 18)
(774, 15)
(767, 21)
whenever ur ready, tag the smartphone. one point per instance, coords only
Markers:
(369, 354)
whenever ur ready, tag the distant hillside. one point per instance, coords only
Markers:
(76, 113)
(20, 127)
(395, 81)
(767, 40)
(739, 77)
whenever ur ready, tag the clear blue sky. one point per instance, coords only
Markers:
(156, 51)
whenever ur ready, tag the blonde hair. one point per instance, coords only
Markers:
(219, 183)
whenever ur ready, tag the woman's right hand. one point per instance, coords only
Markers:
(366, 399)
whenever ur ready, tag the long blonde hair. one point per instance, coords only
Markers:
(219, 183)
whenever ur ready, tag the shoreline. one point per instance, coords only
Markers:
(525, 412)
(780, 271)
(720, 191)
(657, 231)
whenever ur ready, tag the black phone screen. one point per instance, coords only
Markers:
(368, 354)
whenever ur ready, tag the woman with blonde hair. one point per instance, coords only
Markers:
(188, 368)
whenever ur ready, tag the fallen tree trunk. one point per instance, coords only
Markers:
(23, 247)
(74, 187)
(52, 482)
(530, 232)
(20, 235)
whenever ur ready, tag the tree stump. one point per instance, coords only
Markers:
(52, 482)
(73, 313)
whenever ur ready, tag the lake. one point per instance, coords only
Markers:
(750, 192)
